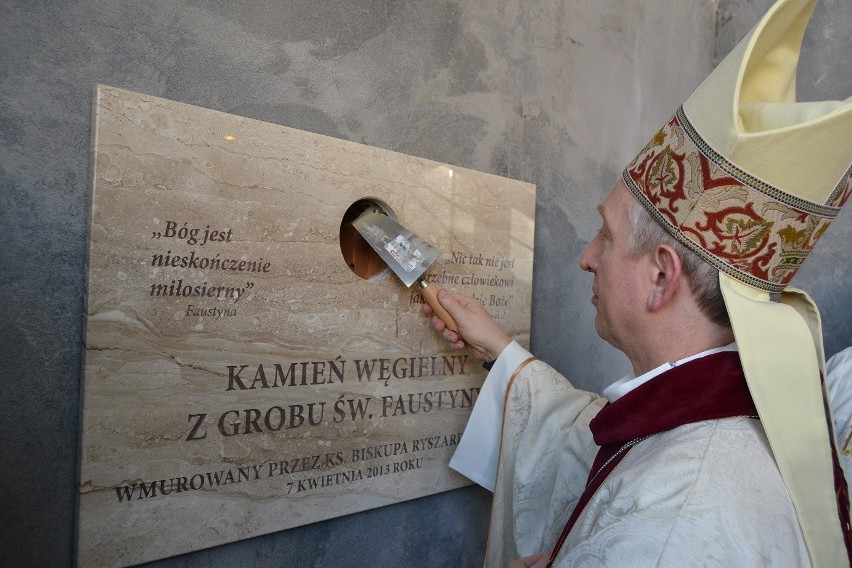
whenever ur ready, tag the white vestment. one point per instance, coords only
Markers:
(703, 494)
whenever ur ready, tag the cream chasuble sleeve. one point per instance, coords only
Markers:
(545, 456)
(521, 439)
(477, 453)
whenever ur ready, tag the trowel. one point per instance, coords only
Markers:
(407, 255)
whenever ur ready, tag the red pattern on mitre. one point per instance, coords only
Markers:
(748, 229)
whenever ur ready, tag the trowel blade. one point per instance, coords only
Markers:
(404, 252)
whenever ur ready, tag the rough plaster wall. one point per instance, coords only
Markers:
(560, 93)
(600, 79)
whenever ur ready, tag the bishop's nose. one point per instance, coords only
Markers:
(588, 260)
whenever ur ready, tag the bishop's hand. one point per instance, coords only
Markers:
(477, 330)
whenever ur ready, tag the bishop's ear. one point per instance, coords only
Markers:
(666, 276)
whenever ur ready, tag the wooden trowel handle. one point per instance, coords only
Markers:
(430, 294)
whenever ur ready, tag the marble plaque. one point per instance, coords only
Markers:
(248, 367)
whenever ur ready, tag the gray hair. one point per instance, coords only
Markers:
(703, 278)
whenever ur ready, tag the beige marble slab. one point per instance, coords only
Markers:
(249, 381)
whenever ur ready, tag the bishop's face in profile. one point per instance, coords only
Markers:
(621, 280)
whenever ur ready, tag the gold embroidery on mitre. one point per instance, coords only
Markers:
(745, 227)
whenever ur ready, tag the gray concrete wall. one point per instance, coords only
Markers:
(560, 93)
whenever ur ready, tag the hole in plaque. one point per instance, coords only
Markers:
(357, 252)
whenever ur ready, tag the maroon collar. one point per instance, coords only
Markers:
(702, 389)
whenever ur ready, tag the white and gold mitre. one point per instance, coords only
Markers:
(750, 179)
